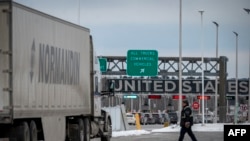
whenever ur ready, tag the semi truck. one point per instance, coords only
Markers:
(50, 85)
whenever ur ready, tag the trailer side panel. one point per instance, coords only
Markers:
(51, 65)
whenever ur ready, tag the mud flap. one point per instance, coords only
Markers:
(54, 128)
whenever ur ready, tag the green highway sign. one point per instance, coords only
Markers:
(142, 63)
(103, 64)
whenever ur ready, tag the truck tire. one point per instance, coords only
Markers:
(23, 132)
(86, 129)
(80, 130)
(107, 128)
(76, 131)
(33, 131)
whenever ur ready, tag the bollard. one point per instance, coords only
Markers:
(137, 121)
(166, 124)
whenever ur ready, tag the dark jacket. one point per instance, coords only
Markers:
(186, 116)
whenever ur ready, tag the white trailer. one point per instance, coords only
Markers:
(48, 86)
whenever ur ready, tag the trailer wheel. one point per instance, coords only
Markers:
(33, 131)
(86, 129)
(107, 128)
(23, 132)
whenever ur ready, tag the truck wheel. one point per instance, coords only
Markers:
(33, 131)
(107, 128)
(86, 129)
(23, 132)
(80, 130)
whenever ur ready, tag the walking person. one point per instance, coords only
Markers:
(186, 121)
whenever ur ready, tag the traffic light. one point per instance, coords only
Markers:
(177, 97)
(204, 97)
(154, 96)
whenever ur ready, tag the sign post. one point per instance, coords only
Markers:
(142, 63)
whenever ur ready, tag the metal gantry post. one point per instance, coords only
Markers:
(202, 68)
(222, 89)
(236, 82)
(248, 11)
(180, 60)
(216, 77)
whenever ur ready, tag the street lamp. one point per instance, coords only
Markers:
(248, 11)
(236, 82)
(216, 78)
(202, 71)
(180, 60)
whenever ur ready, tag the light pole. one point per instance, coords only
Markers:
(79, 12)
(236, 82)
(202, 71)
(216, 78)
(180, 60)
(248, 11)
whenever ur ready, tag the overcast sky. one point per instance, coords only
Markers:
(120, 25)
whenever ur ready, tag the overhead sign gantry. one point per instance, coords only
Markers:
(169, 66)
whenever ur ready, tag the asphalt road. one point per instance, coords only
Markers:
(172, 136)
(168, 136)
